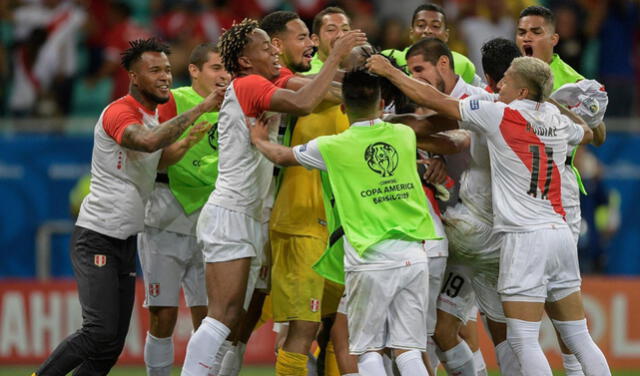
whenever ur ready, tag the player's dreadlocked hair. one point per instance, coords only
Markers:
(140, 46)
(233, 41)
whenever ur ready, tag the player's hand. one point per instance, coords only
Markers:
(436, 170)
(197, 132)
(214, 100)
(380, 65)
(259, 128)
(347, 42)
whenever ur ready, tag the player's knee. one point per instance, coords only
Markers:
(446, 331)
(102, 336)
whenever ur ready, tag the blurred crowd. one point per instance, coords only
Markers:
(61, 57)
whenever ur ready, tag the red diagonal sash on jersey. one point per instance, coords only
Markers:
(514, 131)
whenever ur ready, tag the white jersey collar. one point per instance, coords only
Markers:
(366, 123)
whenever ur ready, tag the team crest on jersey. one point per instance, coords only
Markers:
(154, 289)
(100, 260)
(381, 158)
(314, 305)
(592, 105)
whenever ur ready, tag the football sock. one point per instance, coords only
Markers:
(523, 338)
(222, 351)
(291, 364)
(459, 360)
(478, 362)
(410, 364)
(232, 361)
(158, 355)
(507, 359)
(330, 362)
(575, 335)
(371, 364)
(203, 347)
(432, 355)
(571, 365)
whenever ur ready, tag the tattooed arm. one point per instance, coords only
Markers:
(139, 137)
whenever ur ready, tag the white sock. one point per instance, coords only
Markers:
(458, 360)
(432, 355)
(222, 351)
(575, 335)
(158, 355)
(507, 359)
(478, 362)
(571, 365)
(523, 338)
(203, 346)
(371, 364)
(410, 364)
(232, 361)
(388, 364)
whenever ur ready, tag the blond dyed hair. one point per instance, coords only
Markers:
(535, 74)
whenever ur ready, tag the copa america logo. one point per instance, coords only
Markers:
(381, 158)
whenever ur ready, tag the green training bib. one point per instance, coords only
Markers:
(193, 178)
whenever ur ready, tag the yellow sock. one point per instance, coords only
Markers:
(291, 364)
(330, 361)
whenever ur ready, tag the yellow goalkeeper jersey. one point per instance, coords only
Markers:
(298, 209)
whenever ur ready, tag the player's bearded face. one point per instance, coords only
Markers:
(536, 38)
(297, 46)
(153, 76)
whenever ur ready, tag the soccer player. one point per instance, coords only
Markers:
(328, 25)
(429, 20)
(536, 36)
(230, 224)
(128, 143)
(430, 60)
(527, 141)
(298, 233)
(169, 253)
(372, 176)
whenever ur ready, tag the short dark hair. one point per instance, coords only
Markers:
(317, 20)
(200, 54)
(276, 22)
(536, 10)
(430, 7)
(431, 49)
(360, 89)
(497, 55)
(138, 47)
(232, 43)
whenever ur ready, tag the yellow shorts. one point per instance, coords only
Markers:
(298, 292)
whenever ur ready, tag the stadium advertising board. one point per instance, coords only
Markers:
(36, 316)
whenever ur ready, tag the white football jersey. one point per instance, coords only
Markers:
(528, 147)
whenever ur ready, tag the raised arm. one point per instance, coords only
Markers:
(420, 92)
(304, 100)
(449, 142)
(424, 125)
(141, 138)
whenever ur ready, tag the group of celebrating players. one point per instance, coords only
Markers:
(371, 202)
